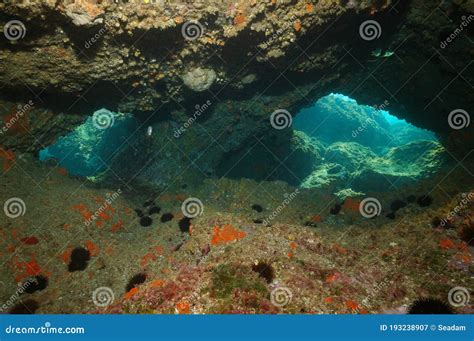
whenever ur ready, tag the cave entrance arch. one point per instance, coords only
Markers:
(343, 145)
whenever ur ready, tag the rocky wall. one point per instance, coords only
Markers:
(164, 61)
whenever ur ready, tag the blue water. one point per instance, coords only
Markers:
(88, 149)
(339, 118)
(393, 119)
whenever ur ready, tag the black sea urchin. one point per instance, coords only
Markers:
(429, 306)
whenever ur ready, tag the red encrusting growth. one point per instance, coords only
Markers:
(27, 269)
(147, 258)
(31, 240)
(66, 255)
(183, 308)
(103, 214)
(18, 124)
(352, 305)
(447, 244)
(226, 234)
(332, 277)
(351, 205)
(83, 210)
(8, 159)
(157, 283)
(339, 249)
(92, 248)
(328, 300)
(117, 226)
(130, 293)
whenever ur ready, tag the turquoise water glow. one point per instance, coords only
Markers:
(87, 150)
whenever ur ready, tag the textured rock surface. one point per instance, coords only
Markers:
(357, 167)
(199, 79)
(266, 55)
(136, 53)
(353, 123)
(160, 60)
(337, 118)
(341, 256)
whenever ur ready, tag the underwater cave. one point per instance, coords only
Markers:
(247, 166)
(90, 148)
(334, 143)
(365, 148)
(338, 143)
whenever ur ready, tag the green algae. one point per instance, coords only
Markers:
(228, 277)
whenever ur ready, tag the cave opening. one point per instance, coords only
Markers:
(342, 145)
(237, 157)
(92, 146)
(339, 118)
(365, 148)
(336, 144)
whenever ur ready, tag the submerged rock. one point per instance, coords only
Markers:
(348, 193)
(353, 122)
(80, 17)
(249, 55)
(324, 175)
(351, 155)
(351, 163)
(199, 79)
